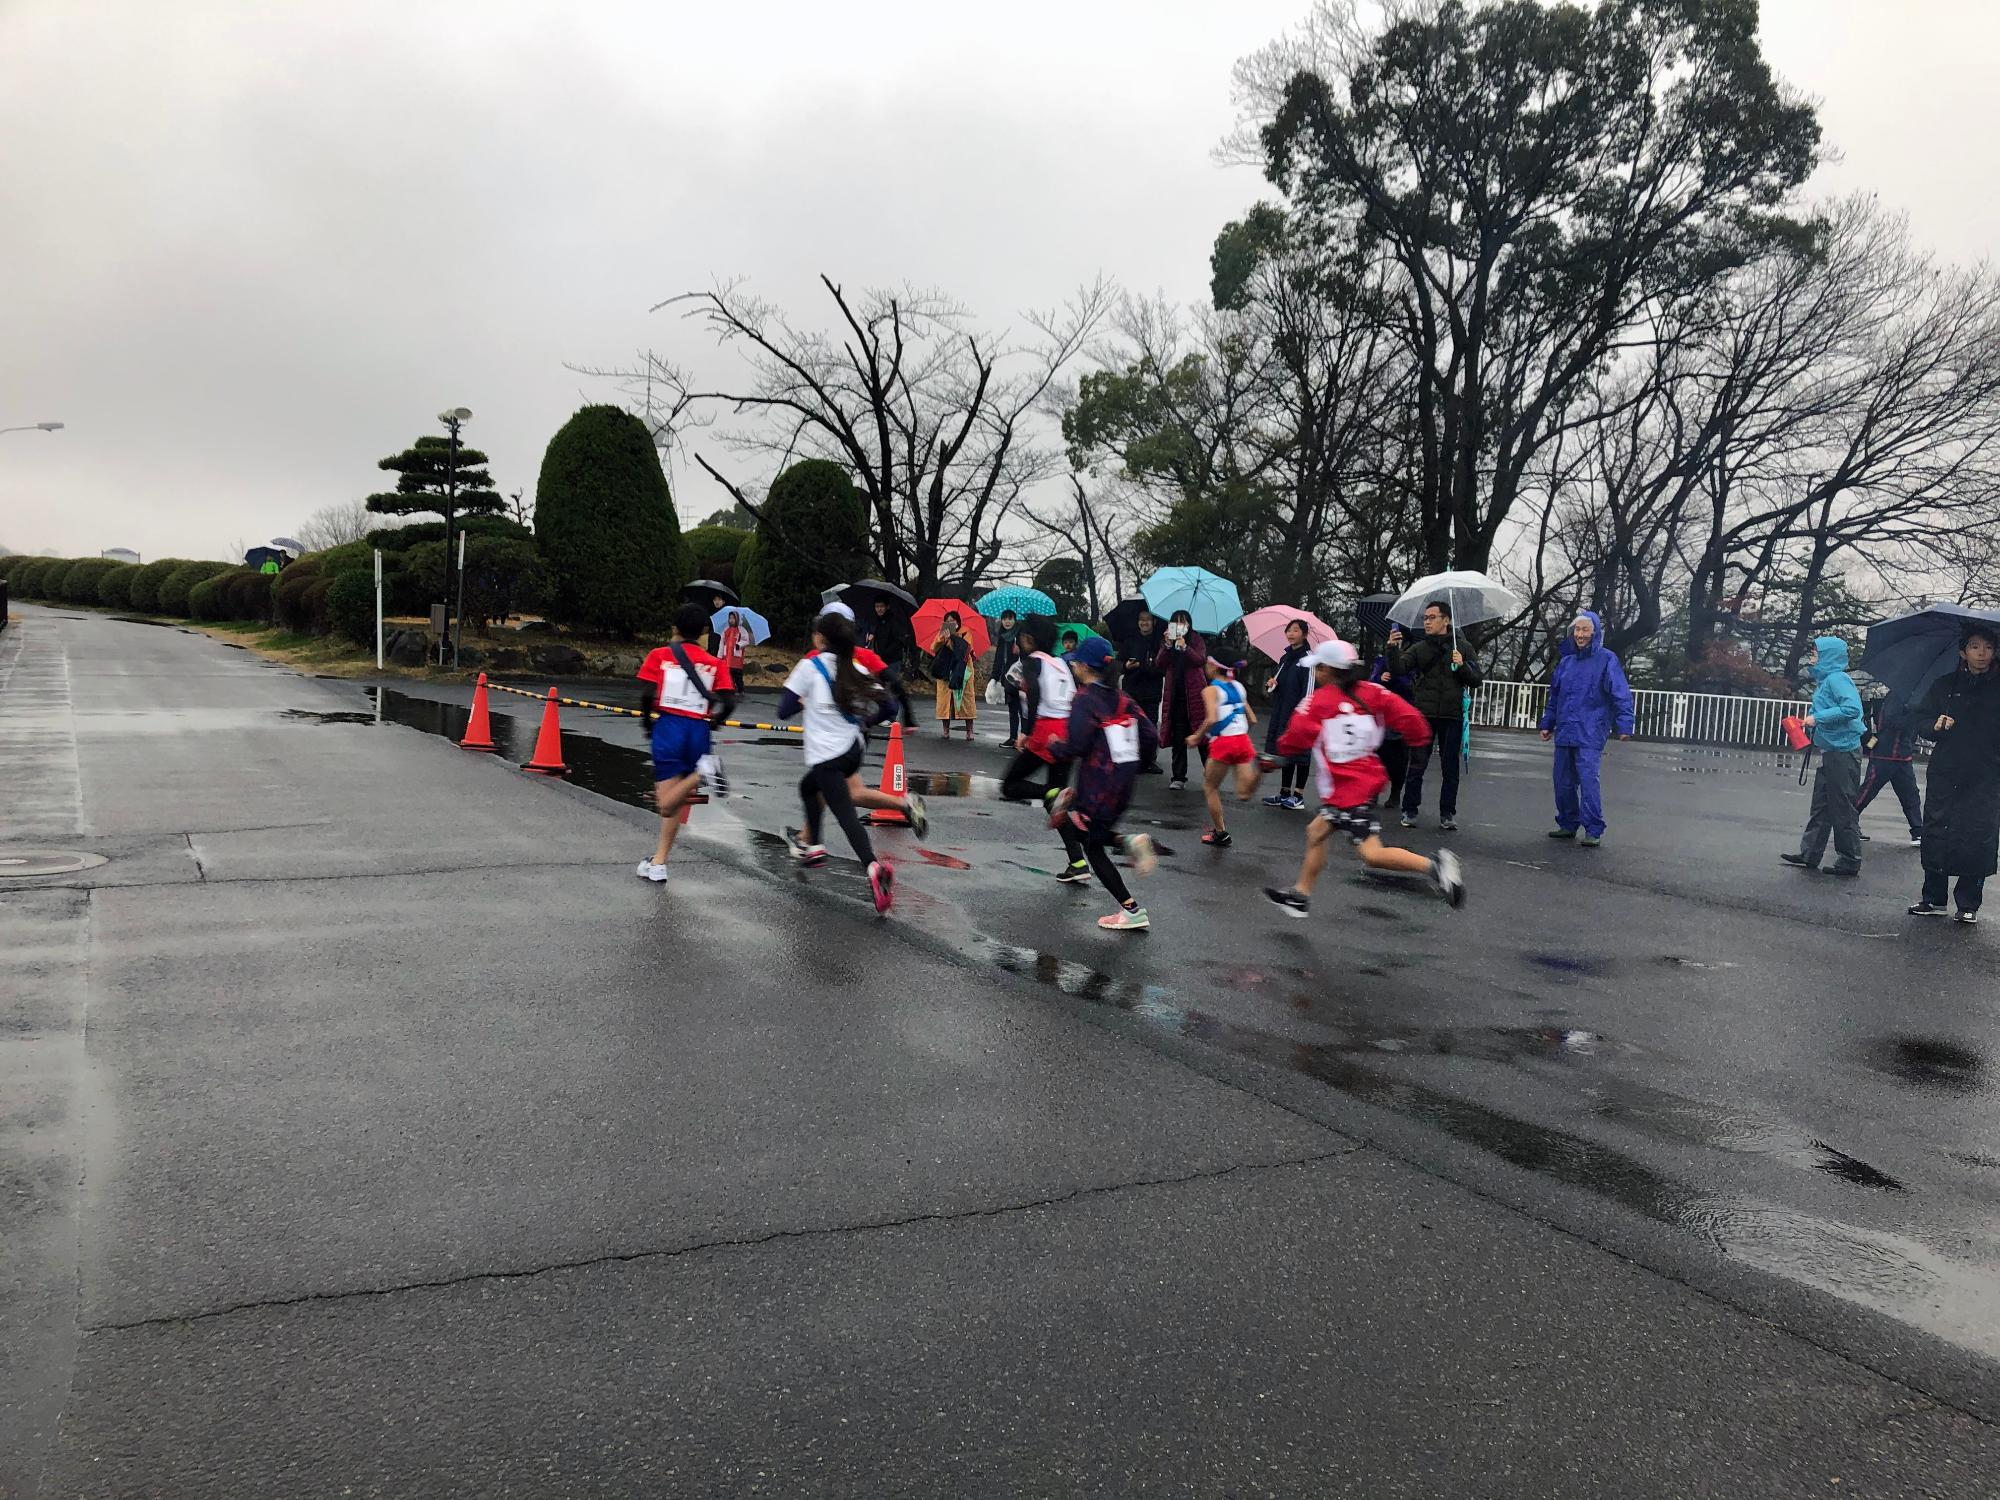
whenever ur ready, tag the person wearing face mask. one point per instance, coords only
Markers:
(1182, 665)
(1589, 700)
(1962, 791)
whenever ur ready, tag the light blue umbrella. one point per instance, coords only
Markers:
(1210, 599)
(1023, 601)
(758, 626)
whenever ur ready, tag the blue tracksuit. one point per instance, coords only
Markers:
(1589, 701)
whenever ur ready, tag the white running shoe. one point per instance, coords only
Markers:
(714, 780)
(646, 868)
(1447, 878)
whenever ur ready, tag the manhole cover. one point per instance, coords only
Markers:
(20, 864)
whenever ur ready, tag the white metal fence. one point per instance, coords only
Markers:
(1694, 718)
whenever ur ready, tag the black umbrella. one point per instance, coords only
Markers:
(1907, 654)
(1123, 620)
(1372, 611)
(860, 597)
(704, 589)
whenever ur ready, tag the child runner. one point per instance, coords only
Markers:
(864, 795)
(1225, 724)
(838, 699)
(1106, 737)
(678, 706)
(1341, 725)
(1048, 691)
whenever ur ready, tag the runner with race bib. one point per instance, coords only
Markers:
(1105, 738)
(1342, 725)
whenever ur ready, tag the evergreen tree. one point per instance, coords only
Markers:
(430, 482)
(813, 533)
(605, 521)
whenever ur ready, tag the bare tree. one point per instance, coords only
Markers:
(940, 424)
(336, 525)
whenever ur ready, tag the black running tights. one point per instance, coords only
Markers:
(826, 783)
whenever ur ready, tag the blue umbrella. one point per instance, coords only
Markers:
(1909, 653)
(1210, 599)
(1023, 601)
(758, 626)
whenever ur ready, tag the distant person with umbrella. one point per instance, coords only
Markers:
(1962, 797)
(1182, 665)
(887, 634)
(1440, 671)
(1139, 678)
(956, 673)
(1289, 685)
(1007, 651)
(734, 646)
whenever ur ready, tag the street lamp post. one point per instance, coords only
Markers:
(453, 419)
(36, 427)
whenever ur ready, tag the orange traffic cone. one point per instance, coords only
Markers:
(479, 729)
(893, 781)
(548, 759)
(687, 807)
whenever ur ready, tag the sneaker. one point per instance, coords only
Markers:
(920, 818)
(1799, 860)
(1447, 825)
(1151, 771)
(656, 873)
(1916, 840)
(1407, 820)
(714, 780)
(1125, 921)
(1295, 802)
(1926, 909)
(1446, 876)
(1277, 799)
(1562, 833)
(1177, 785)
(1007, 744)
(1591, 840)
(882, 885)
(1075, 874)
(1217, 838)
(645, 869)
(1140, 850)
(1969, 918)
(1290, 902)
(800, 850)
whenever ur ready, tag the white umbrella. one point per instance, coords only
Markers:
(1474, 598)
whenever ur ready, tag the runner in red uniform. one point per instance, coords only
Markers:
(1342, 726)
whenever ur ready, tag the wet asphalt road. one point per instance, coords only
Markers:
(368, 1128)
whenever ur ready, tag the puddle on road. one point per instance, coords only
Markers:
(1934, 1064)
(311, 716)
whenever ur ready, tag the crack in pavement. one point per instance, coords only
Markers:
(776, 1236)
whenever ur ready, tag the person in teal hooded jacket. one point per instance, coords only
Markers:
(1589, 701)
(1836, 722)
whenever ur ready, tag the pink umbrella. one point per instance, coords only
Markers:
(1267, 628)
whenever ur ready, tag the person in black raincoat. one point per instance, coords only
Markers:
(1289, 685)
(1962, 795)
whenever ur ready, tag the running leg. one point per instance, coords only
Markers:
(1017, 782)
(1380, 856)
(832, 785)
(1211, 793)
(1108, 874)
(669, 797)
(1317, 833)
(809, 797)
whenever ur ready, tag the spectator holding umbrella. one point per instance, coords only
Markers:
(1441, 671)
(955, 674)
(1589, 699)
(1961, 831)
(1289, 685)
(1139, 678)
(887, 634)
(1182, 665)
(1007, 651)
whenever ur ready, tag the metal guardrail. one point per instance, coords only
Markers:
(1690, 718)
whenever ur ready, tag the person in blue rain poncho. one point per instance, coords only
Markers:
(1836, 722)
(1589, 701)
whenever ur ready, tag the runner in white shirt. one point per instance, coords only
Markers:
(839, 700)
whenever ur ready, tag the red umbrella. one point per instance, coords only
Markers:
(929, 621)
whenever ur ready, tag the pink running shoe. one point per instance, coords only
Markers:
(882, 883)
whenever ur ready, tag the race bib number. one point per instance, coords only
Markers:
(1347, 736)
(1123, 738)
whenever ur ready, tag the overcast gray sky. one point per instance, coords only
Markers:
(246, 249)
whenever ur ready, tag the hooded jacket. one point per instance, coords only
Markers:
(1589, 699)
(1838, 718)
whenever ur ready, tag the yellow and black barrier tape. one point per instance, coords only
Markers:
(633, 713)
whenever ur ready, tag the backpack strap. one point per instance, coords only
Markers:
(681, 660)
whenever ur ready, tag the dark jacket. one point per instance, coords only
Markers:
(1436, 686)
(1101, 788)
(1589, 699)
(1962, 788)
(1894, 733)
(1139, 678)
(949, 661)
(889, 638)
(1181, 682)
(1006, 650)
(1294, 686)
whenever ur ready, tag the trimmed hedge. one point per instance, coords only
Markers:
(814, 532)
(146, 583)
(114, 589)
(350, 606)
(606, 524)
(79, 584)
(179, 583)
(31, 581)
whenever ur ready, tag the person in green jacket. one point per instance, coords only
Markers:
(1442, 671)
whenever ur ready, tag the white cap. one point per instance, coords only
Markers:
(837, 608)
(1335, 653)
